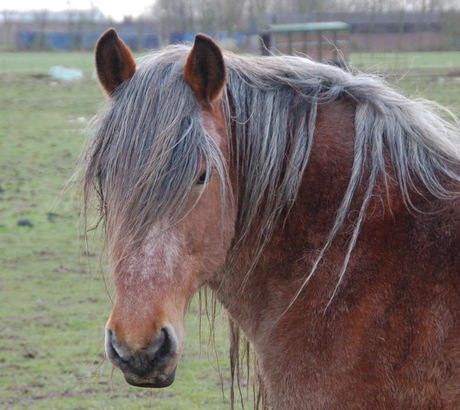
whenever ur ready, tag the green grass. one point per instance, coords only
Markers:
(40, 63)
(54, 301)
(419, 60)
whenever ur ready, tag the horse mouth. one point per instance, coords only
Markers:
(155, 382)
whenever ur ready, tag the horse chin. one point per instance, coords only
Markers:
(155, 382)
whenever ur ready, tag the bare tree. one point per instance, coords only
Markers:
(41, 19)
(233, 15)
(172, 16)
(225, 15)
(8, 26)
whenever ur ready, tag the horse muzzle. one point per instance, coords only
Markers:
(151, 366)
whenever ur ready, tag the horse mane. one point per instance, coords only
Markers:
(275, 101)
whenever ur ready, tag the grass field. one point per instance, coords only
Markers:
(418, 60)
(54, 300)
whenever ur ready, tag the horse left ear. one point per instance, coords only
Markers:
(204, 70)
(114, 61)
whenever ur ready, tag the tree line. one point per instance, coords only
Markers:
(250, 15)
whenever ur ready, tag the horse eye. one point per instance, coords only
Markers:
(203, 178)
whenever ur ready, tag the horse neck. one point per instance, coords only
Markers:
(303, 230)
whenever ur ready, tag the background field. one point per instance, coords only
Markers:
(54, 299)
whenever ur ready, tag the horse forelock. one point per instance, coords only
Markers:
(146, 149)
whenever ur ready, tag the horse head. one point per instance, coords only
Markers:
(155, 280)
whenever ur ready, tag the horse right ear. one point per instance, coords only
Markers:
(114, 61)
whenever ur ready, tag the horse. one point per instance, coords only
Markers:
(320, 205)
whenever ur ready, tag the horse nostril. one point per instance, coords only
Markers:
(168, 345)
(113, 349)
(165, 346)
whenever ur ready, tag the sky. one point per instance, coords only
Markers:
(116, 9)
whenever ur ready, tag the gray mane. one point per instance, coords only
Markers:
(147, 148)
(275, 103)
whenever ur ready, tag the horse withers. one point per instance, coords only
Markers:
(321, 207)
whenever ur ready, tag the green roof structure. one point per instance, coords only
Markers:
(323, 41)
(321, 26)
